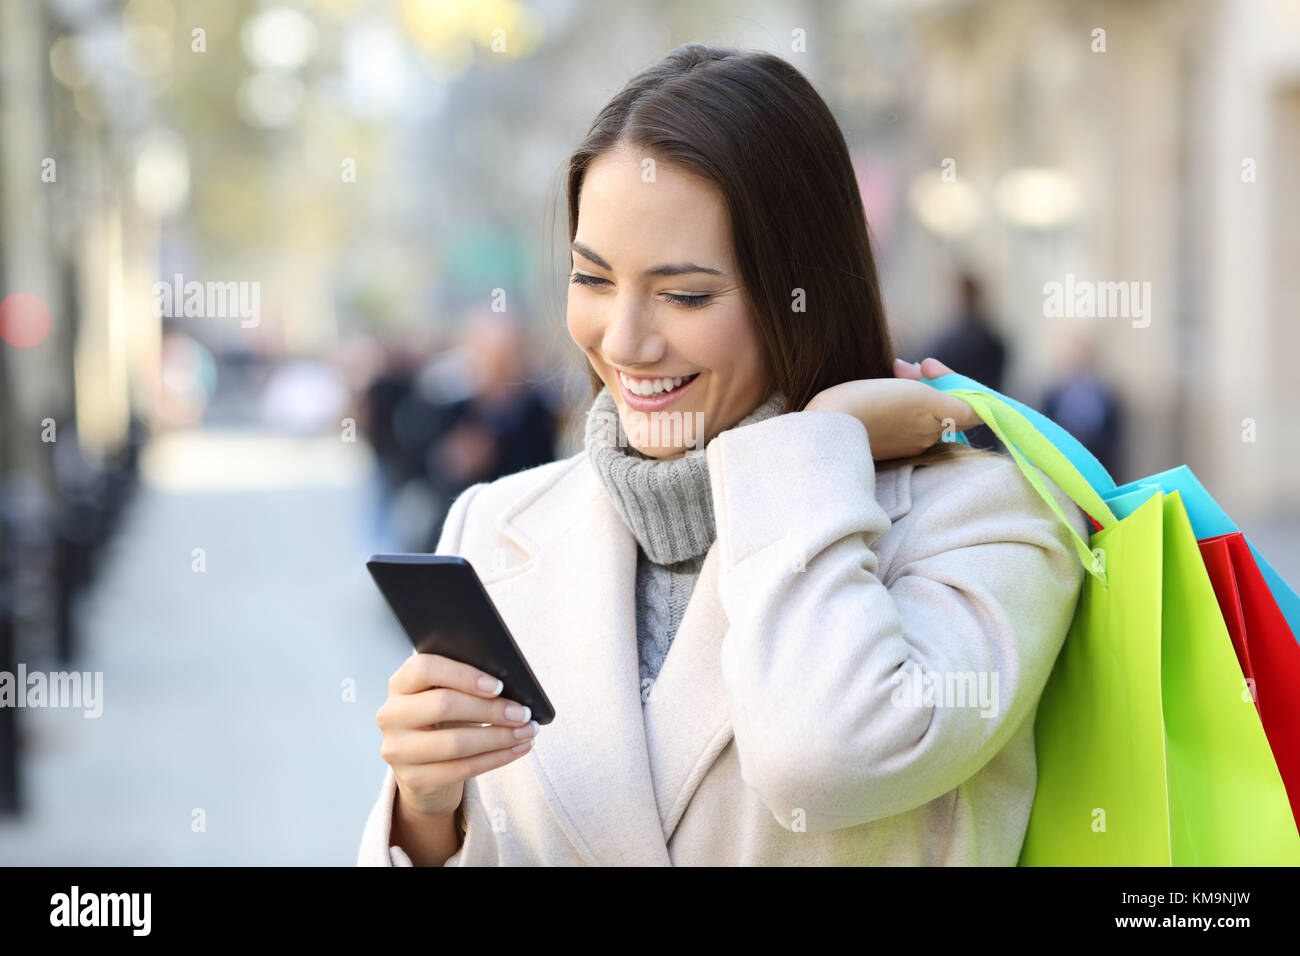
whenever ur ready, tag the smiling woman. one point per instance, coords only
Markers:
(657, 303)
(679, 201)
(722, 631)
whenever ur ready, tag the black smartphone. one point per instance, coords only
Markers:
(444, 609)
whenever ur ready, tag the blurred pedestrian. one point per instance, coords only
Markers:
(972, 344)
(1087, 407)
(506, 424)
(377, 415)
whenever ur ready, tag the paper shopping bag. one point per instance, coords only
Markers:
(1266, 649)
(1148, 754)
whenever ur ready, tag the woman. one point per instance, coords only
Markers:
(802, 707)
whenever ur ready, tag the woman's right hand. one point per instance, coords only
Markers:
(433, 738)
(902, 417)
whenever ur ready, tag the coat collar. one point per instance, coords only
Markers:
(619, 783)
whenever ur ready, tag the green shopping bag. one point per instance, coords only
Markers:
(1150, 752)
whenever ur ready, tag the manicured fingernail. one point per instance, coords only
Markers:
(519, 713)
(527, 730)
(491, 685)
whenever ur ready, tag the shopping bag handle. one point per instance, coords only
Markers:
(1029, 448)
(1082, 459)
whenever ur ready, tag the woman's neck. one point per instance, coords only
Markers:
(666, 503)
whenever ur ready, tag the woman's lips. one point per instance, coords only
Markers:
(653, 403)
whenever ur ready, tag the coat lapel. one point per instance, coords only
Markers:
(619, 777)
(687, 717)
(569, 601)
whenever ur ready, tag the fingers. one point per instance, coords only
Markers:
(423, 671)
(444, 722)
(933, 368)
(445, 705)
(449, 744)
(422, 777)
(928, 368)
(961, 414)
(906, 369)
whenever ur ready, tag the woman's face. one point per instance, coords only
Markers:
(656, 294)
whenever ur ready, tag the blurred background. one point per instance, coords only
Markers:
(279, 279)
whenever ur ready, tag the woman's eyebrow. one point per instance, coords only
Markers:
(674, 269)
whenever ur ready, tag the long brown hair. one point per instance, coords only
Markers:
(753, 125)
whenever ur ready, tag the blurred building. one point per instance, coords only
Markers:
(1138, 142)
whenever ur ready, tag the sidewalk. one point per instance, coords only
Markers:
(223, 689)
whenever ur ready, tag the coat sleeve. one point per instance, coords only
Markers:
(822, 660)
(375, 849)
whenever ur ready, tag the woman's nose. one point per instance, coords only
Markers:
(631, 337)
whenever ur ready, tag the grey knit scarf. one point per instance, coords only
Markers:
(667, 505)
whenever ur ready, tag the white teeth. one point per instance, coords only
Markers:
(647, 387)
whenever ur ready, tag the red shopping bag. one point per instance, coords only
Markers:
(1218, 562)
(1265, 646)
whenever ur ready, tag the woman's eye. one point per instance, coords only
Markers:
(685, 301)
(688, 301)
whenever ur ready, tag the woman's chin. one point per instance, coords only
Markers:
(659, 454)
(662, 435)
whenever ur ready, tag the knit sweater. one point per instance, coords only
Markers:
(668, 507)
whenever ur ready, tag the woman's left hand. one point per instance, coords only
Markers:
(903, 416)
